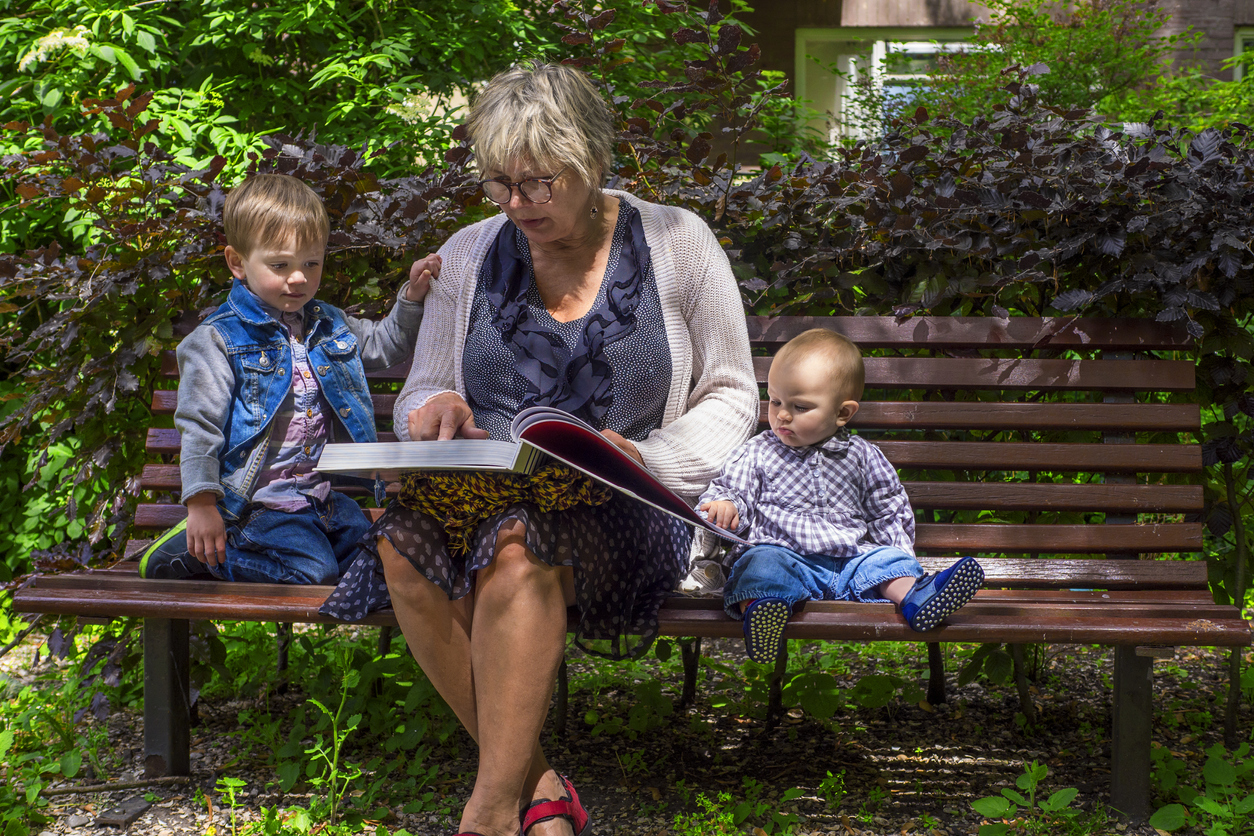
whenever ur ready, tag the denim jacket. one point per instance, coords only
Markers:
(235, 370)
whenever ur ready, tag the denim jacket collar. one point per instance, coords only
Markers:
(250, 309)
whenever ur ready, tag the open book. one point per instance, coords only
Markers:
(538, 432)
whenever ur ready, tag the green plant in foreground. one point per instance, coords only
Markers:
(227, 787)
(335, 779)
(1224, 806)
(1025, 810)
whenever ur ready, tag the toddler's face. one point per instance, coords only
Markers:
(284, 276)
(806, 406)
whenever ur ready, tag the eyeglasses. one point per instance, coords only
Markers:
(534, 189)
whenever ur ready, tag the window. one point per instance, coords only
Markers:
(853, 77)
(1243, 43)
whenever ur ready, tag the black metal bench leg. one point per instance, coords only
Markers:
(1132, 717)
(690, 652)
(936, 674)
(283, 643)
(167, 702)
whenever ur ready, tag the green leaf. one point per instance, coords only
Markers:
(6, 740)
(1211, 806)
(662, 649)
(992, 807)
(1168, 818)
(993, 829)
(1059, 800)
(128, 63)
(1015, 797)
(71, 762)
(999, 667)
(1219, 771)
(104, 53)
(146, 41)
(289, 774)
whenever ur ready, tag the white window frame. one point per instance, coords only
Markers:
(1242, 41)
(878, 42)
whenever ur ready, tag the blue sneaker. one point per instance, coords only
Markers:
(936, 597)
(168, 559)
(765, 620)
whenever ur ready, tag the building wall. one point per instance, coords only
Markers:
(1216, 21)
(908, 13)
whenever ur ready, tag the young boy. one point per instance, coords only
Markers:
(264, 382)
(828, 514)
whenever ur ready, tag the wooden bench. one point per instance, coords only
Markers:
(1057, 433)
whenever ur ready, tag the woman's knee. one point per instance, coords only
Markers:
(513, 563)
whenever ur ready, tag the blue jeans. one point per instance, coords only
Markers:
(310, 546)
(777, 572)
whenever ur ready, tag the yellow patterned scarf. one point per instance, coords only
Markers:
(461, 500)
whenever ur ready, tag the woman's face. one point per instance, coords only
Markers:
(563, 217)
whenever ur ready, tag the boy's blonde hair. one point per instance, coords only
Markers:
(843, 357)
(270, 207)
(548, 114)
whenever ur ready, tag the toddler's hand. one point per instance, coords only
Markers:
(421, 273)
(722, 513)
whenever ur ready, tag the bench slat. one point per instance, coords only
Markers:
(197, 600)
(1059, 539)
(1019, 375)
(963, 455)
(941, 415)
(990, 496)
(962, 332)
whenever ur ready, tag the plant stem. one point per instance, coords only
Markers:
(1234, 660)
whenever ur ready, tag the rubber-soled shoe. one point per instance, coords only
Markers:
(935, 597)
(765, 620)
(171, 562)
(569, 807)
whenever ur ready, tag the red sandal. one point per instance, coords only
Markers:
(568, 807)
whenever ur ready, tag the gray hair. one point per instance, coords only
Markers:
(549, 114)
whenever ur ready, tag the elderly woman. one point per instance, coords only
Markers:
(622, 312)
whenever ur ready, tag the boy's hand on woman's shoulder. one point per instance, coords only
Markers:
(421, 273)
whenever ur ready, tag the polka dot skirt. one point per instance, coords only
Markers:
(627, 557)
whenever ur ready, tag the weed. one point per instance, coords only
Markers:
(1225, 804)
(832, 789)
(1027, 813)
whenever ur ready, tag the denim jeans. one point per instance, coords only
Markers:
(310, 546)
(777, 572)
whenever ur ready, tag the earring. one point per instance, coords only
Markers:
(594, 212)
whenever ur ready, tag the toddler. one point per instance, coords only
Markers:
(830, 518)
(264, 382)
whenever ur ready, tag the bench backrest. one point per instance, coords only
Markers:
(1015, 438)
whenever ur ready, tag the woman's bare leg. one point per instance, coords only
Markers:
(494, 659)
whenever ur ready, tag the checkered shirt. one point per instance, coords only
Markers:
(838, 498)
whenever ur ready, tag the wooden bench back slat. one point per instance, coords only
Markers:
(961, 332)
(1020, 375)
(994, 538)
(941, 415)
(983, 538)
(949, 455)
(981, 496)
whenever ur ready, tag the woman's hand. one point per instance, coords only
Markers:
(421, 273)
(624, 445)
(442, 417)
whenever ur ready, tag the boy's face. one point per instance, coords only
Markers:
(284, 276)
(807, 401)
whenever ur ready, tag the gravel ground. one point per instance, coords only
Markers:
(907, 768)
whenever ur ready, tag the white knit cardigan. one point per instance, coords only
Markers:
(712, 406)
